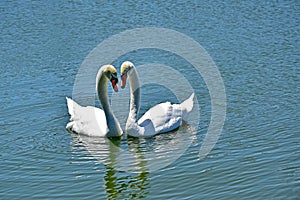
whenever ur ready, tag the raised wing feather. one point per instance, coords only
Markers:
(163, 117)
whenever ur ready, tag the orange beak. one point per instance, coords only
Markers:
(123, 78)
(114, 84)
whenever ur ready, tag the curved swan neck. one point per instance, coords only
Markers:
(102, 92)
(135, 94)
(112, 122)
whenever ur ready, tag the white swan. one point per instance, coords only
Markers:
(161, 118)
(93, 121)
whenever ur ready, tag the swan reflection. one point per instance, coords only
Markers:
(128, 161)
(116, 160)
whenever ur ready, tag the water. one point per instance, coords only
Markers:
(256, 48)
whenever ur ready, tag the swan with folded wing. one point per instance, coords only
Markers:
(161, 118)
(93, 121)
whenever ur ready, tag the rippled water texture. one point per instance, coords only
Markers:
(255, 45)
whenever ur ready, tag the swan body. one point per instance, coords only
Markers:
(161, 118)
(87, 120)
(92, 121)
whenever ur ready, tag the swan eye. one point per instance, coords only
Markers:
(125, 71)
(114, 76)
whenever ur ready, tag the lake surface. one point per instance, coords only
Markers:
(256, 48)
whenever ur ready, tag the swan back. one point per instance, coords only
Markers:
(90, 121)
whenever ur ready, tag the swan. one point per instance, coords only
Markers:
(93, 121)
(161, 118)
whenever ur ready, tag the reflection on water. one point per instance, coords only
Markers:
(109, 152)
(128, 161)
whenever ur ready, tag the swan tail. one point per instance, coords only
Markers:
(71, 107)
(187, 106)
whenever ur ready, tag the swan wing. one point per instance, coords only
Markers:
(87, 120)
(165, 117)
(161, 118)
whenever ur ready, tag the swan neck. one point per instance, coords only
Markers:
(103, 95)
(134, 94)
(102, 91)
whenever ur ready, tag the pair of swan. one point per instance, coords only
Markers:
(93, 121)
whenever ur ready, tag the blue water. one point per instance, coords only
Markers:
(256, 48)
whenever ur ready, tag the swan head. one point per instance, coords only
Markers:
(111, 74)
(126, 67)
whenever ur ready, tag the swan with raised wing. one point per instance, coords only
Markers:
(161, 118)
(93, 121)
